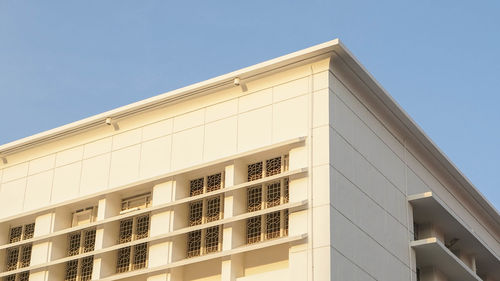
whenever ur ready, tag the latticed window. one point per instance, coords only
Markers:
(212, 243)
(16, 234)
(213, 209)
(254, 198)
(285, 222)
(140, 256)
(273, 225)
(24, 276)
(123, 260)
(255, 171)
(193, 243)
(10, 278)
(195, 213)
(273, 166)
(126, 228)
(88, 241)
(214, 182)
(286, 195)
(12, 259)
(253, 229)
(71, 270)
(196, 187)
(25, 258)
(74, 243)
(273, 194)
(142, 227)
(29, 231)
(87, 265)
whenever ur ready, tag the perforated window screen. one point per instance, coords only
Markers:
(254, 198)
(253, 230)
(140, 256)
(193, 243)
(142, 228)
(89, 241)
(213, 209)
(11, 259)
(74, 243)
(25, 258)
(214, 182)
(212, 239)
(15, 234)
(123, 260)
(126, 230)
(87, 265)
(196, 187)
(71, 270)
(29, 231)
(24, 276)
(273, 166)
(195, 213)
(255, 171)
(273, 194)
(273, 225)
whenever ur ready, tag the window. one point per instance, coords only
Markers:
(206, 184)
(132, 258)
(81, 242)
(254, 198)
(21, 232)
(137, 202)
(84, 216)
(195, 213)
(254, 230)
(268, 226)
(204, 241)
(18, 257)
(272, 194)
(272, 167)
(23, 276)
(79, 270)
(134, 228)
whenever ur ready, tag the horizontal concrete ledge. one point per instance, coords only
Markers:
(183, 262)
(157, 208)
(428, 208)
(432, 253)
(161, 178)
(292, 206)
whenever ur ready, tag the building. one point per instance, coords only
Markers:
(298, 168)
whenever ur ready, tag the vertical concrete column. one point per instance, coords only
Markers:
(233, 233)
(46, 250)
(106, 236)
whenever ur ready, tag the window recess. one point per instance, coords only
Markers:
(268, 226)
(206, 184)
(137, 202)
(134, 228)
(21, 232)
(23, 276)
(132, 258)
(79, 270)
(81, 242)
(267, 168)
(18, 257)
(84, 216)
(204, 241)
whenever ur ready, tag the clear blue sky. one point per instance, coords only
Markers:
(61, 61)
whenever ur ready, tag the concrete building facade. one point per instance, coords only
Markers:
(298, 168)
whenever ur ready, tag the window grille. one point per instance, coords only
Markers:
(253, 230)
(214, 182)
(74, 244)
(255, 171)
(193, 243)
(126, 230)
(123, 260)
(24, 276)
(195, 213)
(136, 202)
(273, 166)
(196, 187)
(89, 241)
(273, 194)
(12, 257)
(213, 209)
(24, 260)
(10, 278)
(15, 234)
(273, 225)
(142, 227)
(29, 231)
(285, 223)
(212, 239)
(254, 198)
(87, 265)
(71, 270)
(286, 195)
(140, 256)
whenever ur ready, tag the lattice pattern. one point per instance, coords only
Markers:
(195, 213)
(125, 230)
(74, 244)
(273, 194)
(213, 209)
(10, 278)
(15, 234)
(87, 265)
(214, 182)
(273, 225)
(254, 198)
(24, 276)
(123, 260)
(25, 258)
(11, 260)
(142, 228)
(255, 171)
(71, 270)
(286, 195)
(196, 187)
(140, 256)
(89, 241)
(273, 166)
(193, 243)
(285, 223)
(29, 230)
(212, 239)
(253, 229)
